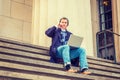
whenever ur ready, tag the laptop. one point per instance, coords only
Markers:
(75, 41)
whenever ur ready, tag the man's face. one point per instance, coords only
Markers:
(63, 24)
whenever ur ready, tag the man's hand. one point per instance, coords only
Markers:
(57, 26)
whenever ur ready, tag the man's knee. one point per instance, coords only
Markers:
(82, 50)
(66, 46)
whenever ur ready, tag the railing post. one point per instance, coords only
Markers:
(97, 40)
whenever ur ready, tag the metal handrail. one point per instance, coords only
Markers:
(105, 31)
(108, 31)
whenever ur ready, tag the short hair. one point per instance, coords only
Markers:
(65, 19)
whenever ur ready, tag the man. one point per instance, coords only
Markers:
(59, 47)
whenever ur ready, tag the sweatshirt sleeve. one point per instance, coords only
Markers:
(50, 31)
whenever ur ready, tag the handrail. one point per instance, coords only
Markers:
(108, 31)
(105, 31)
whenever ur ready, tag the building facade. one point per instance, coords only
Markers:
(27, 20)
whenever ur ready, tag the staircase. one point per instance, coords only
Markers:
(23, 61)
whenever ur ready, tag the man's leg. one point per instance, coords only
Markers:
(81, 53)
(64, 52)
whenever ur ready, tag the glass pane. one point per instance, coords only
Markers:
(109, 37)
(106, 25)
(101, 9)
(103, 26)
(108, 16)
(107, 6)
(102, 18)
(101, 40)
(111, 53)
(101, 2)
(109, 24)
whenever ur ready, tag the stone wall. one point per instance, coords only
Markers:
(16, 19)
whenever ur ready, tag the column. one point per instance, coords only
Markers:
(116, 26)
(35, 22)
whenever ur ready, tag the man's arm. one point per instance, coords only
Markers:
(50, 31)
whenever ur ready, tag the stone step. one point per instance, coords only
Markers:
(12, 75)
(46, 58)
(34, 48)
(39, 63)
(20, 43)
(42, 71)
(24, 48)
(47, 72)
(34, 56)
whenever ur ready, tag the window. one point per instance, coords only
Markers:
(105, 14)
(105, 40)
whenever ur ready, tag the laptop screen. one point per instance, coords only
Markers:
(75, 41)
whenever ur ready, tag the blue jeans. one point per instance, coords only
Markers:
(67, 54)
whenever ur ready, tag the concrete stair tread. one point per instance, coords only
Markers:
(99, 59)
(25, 76)
(19, 58)
(29, 69)
(43, 62)
(41, 50)
(42, 70)
(38, 56)
(21, 43)
(49, 65)
(24, 48)
(38, 49)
